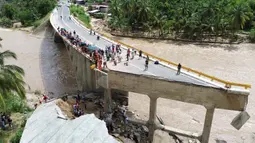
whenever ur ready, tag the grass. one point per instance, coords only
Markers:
(19, 111)
(13, 135)
(79, 12)
(85, 20)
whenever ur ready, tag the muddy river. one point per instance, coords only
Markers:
(46, 64)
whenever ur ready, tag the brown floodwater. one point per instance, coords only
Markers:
(46, 64)
(234, 63)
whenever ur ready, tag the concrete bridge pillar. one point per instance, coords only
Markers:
(57, 38)
(152, 117)
(107, 100)
(207, 125)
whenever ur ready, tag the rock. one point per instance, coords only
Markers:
(137, 137)
(139, 129)
(17, 25)
(118, 131)
(145, 129)
(220, 141)
(116, 135)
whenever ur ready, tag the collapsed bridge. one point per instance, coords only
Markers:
(160, 81)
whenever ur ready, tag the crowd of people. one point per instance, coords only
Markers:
(77, 111)
(5, 120)
(95, 53)
(111, 53)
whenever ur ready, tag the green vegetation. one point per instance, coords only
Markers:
(25, 11)
(12, 93)
(5, 22)
(16, 138)
(99, 15)
(42, 20)
(96, 1)
(79, 12)
(192, 19)
(252, 36)
(11, 79)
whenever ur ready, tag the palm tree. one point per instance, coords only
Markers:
(11, 78)
(240, 14)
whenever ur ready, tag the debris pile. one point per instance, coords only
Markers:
(122, 128)
(66, 108)
(117, 121)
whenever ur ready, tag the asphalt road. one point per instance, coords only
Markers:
(136, 65)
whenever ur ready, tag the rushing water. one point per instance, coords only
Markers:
(46, 64)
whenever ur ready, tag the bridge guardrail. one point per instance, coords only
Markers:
(227, 83)
(212, 78)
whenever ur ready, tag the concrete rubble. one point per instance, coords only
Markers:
(122, 129)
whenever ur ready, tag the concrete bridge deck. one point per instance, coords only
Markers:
(135, 66)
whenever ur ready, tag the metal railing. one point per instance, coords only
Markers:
(200, 74)
(212, 78)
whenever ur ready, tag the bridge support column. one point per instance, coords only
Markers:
(107, 100)
(207, 125)
(152, 117)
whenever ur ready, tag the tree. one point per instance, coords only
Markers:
(11, 78)
(189, 19)
(240, 14)
(8, 11)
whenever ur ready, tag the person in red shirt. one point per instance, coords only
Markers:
(45, 98)
(128, 54)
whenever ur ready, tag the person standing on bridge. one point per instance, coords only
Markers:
(98, 37)
(146, 63)
(128, 54)
(90, 32)
(179, 69)
(105, 65)
(140, 54)
(133, 54)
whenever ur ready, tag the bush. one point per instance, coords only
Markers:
(5, 22)
(252, 35)
(27, 11)
(79, 12)
(85, 19)
(25, 17)
(17, 137)
(8, 10)
(23, 124)
(90, 8)
(99, 15)
(15, 104)
(77, 9)
(37, 23)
